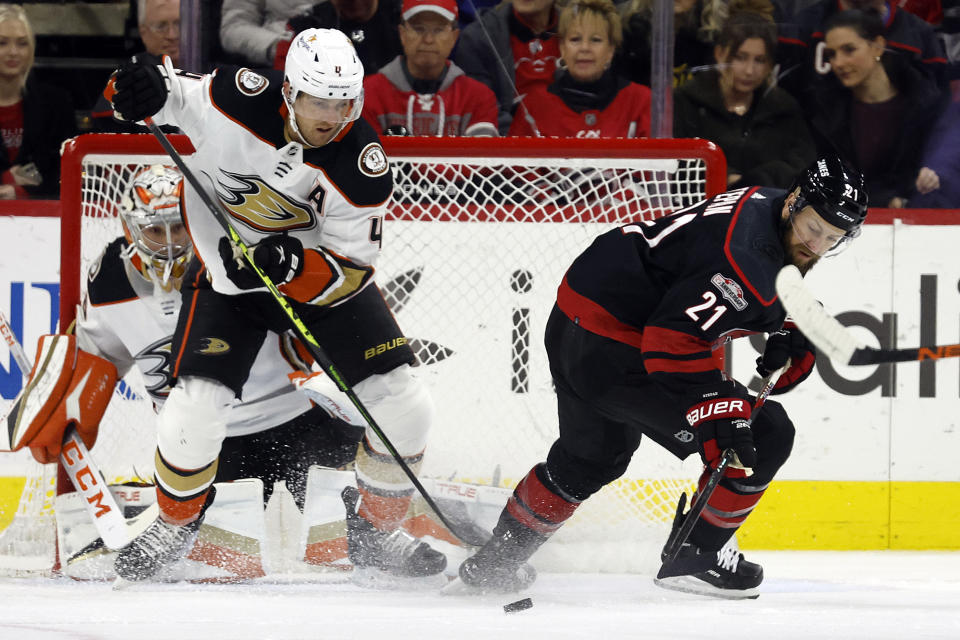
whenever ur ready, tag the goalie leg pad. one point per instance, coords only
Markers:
(67, 386)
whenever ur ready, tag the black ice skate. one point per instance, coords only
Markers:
(159, 546)
(722, 574)
(396, 553)
(500, 566)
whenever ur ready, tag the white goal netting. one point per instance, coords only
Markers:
(477, 239)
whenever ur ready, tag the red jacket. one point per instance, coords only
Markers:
(461, 106)
(546, 114)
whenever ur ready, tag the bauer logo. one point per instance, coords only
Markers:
(213, 347)
(373, 352)
(373, 161)
(251, 83)
(730, 290)
(683, 436)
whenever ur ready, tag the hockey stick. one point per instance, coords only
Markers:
(303, 331)
(15, 349)
(676, 540)
(107, 516)
(835, 340)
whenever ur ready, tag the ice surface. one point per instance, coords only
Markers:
(807, 595)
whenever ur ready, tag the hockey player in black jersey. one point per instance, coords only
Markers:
(630, 342)
(305, 183)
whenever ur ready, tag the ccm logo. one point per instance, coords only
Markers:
(718, 409)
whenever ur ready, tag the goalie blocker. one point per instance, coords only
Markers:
(67, 387)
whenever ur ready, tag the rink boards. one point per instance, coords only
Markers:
(874, 462)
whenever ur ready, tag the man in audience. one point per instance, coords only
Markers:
(159, 27)
(511, 48)
(423, 93)
(371, 26)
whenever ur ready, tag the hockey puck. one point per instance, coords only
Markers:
(519, 605)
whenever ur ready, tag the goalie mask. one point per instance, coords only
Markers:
(324, 84)
(838, 195)
(150, 210)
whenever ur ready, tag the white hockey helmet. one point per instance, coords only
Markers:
(322, 63)
(150, 211)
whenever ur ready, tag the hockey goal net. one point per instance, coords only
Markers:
(478, 236)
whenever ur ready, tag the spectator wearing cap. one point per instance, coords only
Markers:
(370, 24)
(423, 93)
(512, 48)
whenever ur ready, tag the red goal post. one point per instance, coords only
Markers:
(477, 237)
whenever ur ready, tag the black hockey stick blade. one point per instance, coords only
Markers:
(833, 339)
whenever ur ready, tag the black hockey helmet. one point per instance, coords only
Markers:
(835, 191)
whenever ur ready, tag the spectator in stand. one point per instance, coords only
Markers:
(423, 93)
(876, 112)
(35, 118)
(938, 183)
(370, 24)
(158, 22)
(587, 99)
(695, 25)
(251, 29)
(760, 127)
(804, 68)
(511, 48)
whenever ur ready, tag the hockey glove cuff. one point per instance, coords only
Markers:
(787, 344)
(721, 417)
(140, 90)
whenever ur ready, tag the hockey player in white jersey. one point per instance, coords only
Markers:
(129, 315)
(306, 185)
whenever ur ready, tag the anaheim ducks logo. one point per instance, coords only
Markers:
(154, 363)
(213, 347)
(259, 206)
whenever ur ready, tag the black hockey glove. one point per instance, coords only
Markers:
(280, 257)
(787, 344)
(141, 90)
(721, 416)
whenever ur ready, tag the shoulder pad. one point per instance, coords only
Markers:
(252, 99)
(357, 164)
(753, 246)
(107, 278)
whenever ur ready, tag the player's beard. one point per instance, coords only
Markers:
(792, 247)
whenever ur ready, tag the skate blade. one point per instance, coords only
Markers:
(689, 584)
(370, 578)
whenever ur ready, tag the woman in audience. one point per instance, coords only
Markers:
(874, 111)
(759, 127)
(34, 118)
(586, 98)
